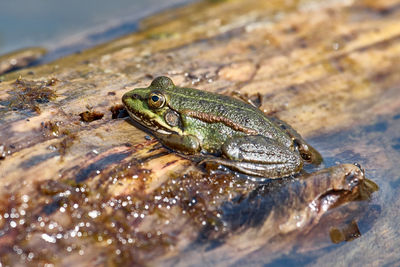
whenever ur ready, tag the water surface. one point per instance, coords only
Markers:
(65, 27)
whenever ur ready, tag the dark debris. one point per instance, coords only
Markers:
(28, 94)
(89, 116)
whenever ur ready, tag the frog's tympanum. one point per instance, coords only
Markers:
(220, 129)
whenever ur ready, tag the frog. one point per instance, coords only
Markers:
(220, 129)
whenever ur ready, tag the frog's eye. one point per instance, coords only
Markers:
(156, 100)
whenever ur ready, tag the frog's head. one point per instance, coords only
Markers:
(149, 107)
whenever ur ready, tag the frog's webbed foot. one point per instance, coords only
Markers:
(307, 152)
(258, 156)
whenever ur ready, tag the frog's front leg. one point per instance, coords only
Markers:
(259, 156)
(187, 144)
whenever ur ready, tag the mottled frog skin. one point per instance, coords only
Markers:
(219, 128)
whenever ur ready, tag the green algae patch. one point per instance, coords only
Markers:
(29, 94)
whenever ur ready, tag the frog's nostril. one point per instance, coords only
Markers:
(128, 96)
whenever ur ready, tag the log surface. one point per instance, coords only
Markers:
(328, 68)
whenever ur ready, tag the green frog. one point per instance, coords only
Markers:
(220, 129)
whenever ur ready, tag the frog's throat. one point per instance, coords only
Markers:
(149, 123)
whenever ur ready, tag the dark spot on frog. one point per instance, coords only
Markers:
(33, 161)
(89, 116)
(204, 103)
(380, 126)
(99, 165)
(118, 111)
(111, 93)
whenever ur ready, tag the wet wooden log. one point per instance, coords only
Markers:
(20, 59)
(79, 188)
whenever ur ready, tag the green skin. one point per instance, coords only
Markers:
(220, 129)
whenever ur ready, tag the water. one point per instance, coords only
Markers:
(64, 27)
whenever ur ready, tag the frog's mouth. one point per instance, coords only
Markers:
(149, 123)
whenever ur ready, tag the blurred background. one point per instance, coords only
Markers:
(65, 27)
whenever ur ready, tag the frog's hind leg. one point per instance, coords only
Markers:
(259, 156)
(307, 152)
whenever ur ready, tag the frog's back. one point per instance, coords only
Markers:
(231, 109)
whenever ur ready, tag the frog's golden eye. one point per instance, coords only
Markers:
(156, 100)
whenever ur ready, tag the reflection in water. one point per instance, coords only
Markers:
(279, 195)
(348, 233)
(313, 210)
